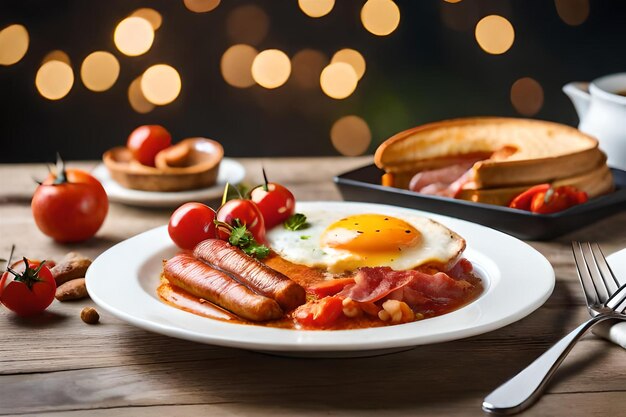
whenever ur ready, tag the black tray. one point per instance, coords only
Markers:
(363, 184)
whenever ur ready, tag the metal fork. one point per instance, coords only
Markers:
(606, 300)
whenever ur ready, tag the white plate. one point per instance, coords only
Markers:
(617, 261)
(230, 171)
(517, 280)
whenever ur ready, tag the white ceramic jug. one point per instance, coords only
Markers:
(601, 108)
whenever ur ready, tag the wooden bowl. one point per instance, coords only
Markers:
(190, 164)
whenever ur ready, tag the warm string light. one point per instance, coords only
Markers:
(137, 100)
(380, 17)
(161, 84)
(236, 65)
(271, 68)
(13, 44)
(316, 8)
(99, 71)
(306, 68)
(152, 16)
(495, 34)
(572, 12)
(338, 80)
(133, 36)
(353, 58)
(247, 24)
(54, 80)
(527, 96)
(57, 55)
(201, 6)
(351, 135)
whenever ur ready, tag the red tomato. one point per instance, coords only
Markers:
(248, 214)
(147, 141)
(31, 291)
(190, 224)
(557, 199)
(70, 207)
(330, 287)
(522, 201)
(319, 314)
(275, 202)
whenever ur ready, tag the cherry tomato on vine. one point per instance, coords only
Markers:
(275, 201)
(248, 214)
(69, 205)
(147, 141)
(27, 288)
(190, 224)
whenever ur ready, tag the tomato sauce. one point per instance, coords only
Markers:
(306, 277)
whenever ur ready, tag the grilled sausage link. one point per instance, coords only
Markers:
(201, 280)
(255, 274)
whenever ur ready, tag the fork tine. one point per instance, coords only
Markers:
(583, 275)
(611, 282)
(617, 301)
(599, 281)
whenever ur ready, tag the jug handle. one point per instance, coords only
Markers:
(578, 92)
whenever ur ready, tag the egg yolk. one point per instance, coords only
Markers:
(371, 234)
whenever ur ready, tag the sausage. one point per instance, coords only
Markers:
(253, 273)
(201, 280)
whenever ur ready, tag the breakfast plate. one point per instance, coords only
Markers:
(516, 278)
(230, 171)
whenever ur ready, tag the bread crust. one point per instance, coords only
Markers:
(540, 151)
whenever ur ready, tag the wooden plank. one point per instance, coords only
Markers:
(584, 404)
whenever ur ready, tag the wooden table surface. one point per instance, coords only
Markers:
(55, 364)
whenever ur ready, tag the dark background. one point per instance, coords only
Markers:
(424, 71)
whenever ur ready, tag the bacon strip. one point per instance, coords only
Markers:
(373, 284)
(201, 280)
(254, 274)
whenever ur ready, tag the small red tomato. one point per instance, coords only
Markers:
(275, 201)
(247, 213)
(147, 141)
(69, 206)
(330, 287)
(190, 224)
(523, 200)
(557, 199)
(319, 314)
(29, 289)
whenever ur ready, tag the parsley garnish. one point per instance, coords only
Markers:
(305, 237)
(241, 237)
(296, 222)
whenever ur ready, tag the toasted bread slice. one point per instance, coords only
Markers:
(517, 151)
(596, 182)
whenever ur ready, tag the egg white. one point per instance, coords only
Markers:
(438, 244)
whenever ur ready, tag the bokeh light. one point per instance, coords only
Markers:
(57, 55)
(351, 135)
(13, 44)
(152, 16)
(201, 6)
(452, 1)
(236, 65)
(100, 71)
(495, 34)
(572, 12)
(271, 68)
(133, 36)
(527, 96)
(247, 24)
(160, 84)
(353, 58)
(380, 17)
(137, 100)
(316, 8)
(54, 80)
(306, 67)
(338, 80)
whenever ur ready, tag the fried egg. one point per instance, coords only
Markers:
(344, 241)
